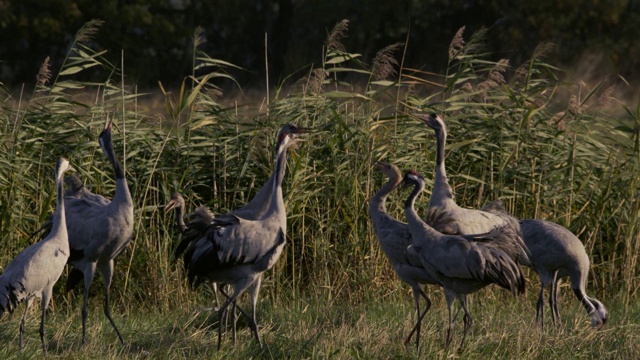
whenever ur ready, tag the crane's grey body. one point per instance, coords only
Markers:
(99, 230)
(460, 220)
(556, 252)
(462, 264)
(394, 238)
(240, 246)
(34, 271)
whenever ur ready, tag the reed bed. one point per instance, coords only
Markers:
(559, 151)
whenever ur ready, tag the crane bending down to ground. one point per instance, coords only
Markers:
(394, 238)
(99, 230)
(199, 220)
(239, 247)
(462, 264)
(37, 268)
(558, 253)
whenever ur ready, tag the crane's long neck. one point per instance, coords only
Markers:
(122, 196)
(413, 219)
(377, 204)
(180, 218)
(59, 226)
(441, 189)
(276, 203)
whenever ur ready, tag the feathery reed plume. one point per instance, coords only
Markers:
(384, 63)
(495, 77)
(542, 50)
(334, 40)
(312, 84)
(604, 100)
(456, 44)
(44, 74)
(198, 37)
(88, 30)
(574, 107)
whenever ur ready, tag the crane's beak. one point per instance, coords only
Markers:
(170, 205)
(108, 124)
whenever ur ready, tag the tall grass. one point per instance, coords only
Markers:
(559, 151)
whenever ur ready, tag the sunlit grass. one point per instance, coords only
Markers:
(549, 150)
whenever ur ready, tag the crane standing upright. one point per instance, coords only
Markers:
(99, 231)
(240, 246)
(394, 238)
(462, 264)
(35, 270)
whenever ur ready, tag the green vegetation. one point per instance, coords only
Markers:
(564, 152)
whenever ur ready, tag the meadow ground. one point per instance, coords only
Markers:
(319, 328)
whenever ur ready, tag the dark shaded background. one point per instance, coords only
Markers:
(593, 37)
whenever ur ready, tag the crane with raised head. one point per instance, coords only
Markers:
(394, 238)
(35, 270)
(462, 264)
(99, 231)
(240, 246)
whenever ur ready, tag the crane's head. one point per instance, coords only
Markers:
(177, 201)
(412, 178)
(62, 166)
(390, 170)
(289, 136)
(105, 138)
(434, 121)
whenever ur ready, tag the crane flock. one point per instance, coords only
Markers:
(458, 249)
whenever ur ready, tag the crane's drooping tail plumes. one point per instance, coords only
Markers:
(461, 264)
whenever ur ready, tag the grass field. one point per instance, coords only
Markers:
(564, 152)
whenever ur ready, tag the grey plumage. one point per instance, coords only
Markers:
(34, 271)
(460, 220)
(447, 217)
(394, 238)
(556, 252)
(462, 264)
(240, 246)
(199, 220)
(99, 230)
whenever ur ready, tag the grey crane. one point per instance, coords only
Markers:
(99, 230)
(199, 220)
(556, 252)
(394, 238)
(240, 246)
(446, 216)
(34, 271)
(460, 220)
(462, 264)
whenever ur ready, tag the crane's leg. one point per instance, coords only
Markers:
(468, 321)
(553, 299)
(106, 270)
(24, 319)
(254, 289)
(540, 305)
(450, 297)
(46, 297)
(88, 273)
(420, 316)
(239, 288)
(214, 287)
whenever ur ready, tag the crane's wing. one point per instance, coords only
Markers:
(231, 241)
